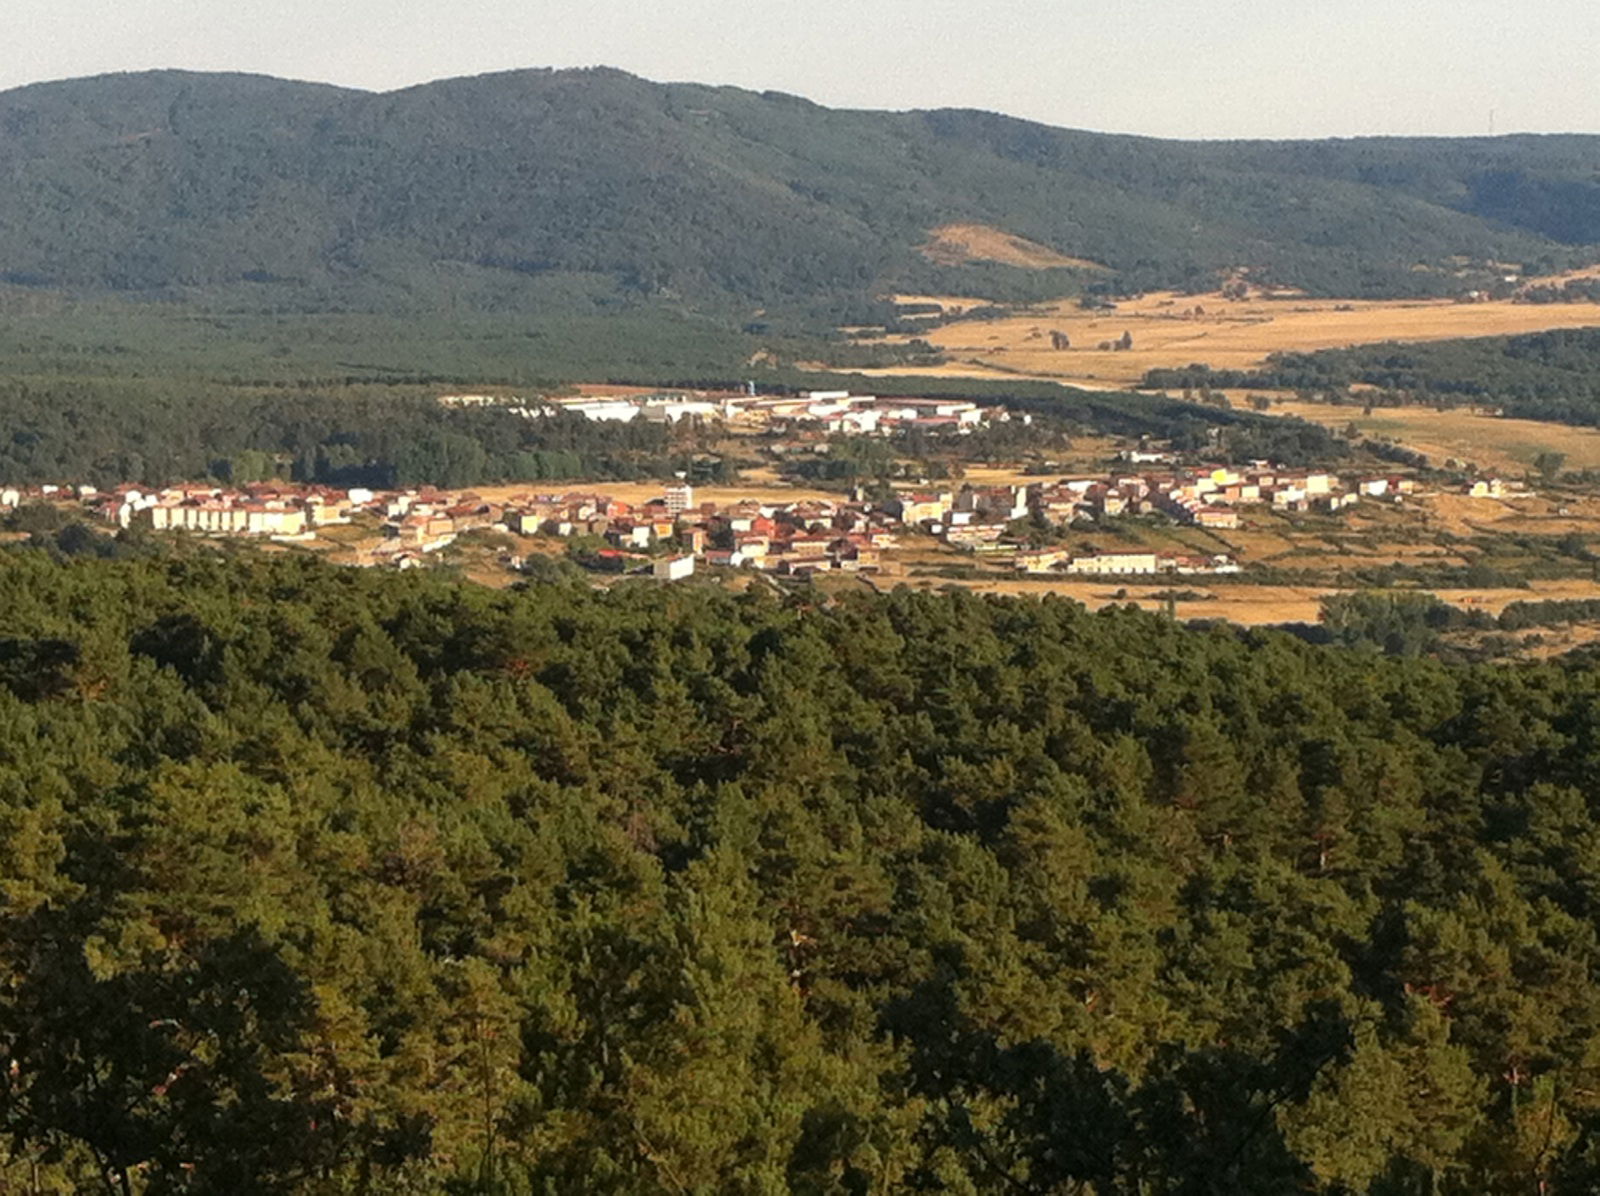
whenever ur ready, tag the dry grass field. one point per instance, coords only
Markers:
(1490, 442)
(637, 492)
(1175, 330)
(956, 244)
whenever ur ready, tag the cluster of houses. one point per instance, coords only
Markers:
(799, 537)
(1210, 497)
(668, 535)
(796, 538)
(413, 521)
(273, 510)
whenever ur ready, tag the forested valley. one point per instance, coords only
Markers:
(326, 881)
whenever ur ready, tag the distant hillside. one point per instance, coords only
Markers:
(506, 188)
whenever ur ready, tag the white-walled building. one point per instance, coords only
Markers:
(679, 498)
(673, 568)
(1113, 563)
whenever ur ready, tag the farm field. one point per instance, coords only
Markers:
(1170, 330)
(637, 492)
(1488, 441)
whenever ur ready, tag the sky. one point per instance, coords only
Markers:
(1206, 68)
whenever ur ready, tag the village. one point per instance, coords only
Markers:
(1019, 525)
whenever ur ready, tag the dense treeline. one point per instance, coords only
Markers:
(106, 434)
(1400, 622)
(1573, 290)
(1224, 433)
(1416, 622)
(924, 454)
(326, 881)
(1552, 612)
(1541, 375)
(158, 431)
(279, 195)
(1216, 433)
(567, 336)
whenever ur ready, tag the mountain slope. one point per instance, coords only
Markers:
(166, 180)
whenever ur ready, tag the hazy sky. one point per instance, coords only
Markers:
(1203, 68)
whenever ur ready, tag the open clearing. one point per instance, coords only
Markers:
(957, 244)
(1171, 330)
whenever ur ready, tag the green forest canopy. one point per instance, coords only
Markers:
(321, 880)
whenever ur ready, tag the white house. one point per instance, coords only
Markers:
(617, 411)
(673, 568)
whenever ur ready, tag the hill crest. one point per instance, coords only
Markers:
(536, 185)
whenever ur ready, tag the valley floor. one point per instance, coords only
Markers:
(1170, 331)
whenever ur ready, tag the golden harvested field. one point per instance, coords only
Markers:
(1507, 445)
(1175, 330)
(1087, 455)
(960, 369)
(637, 492)
(985, 475)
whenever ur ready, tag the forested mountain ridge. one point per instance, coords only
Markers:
(599, 182)
(321, 880)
